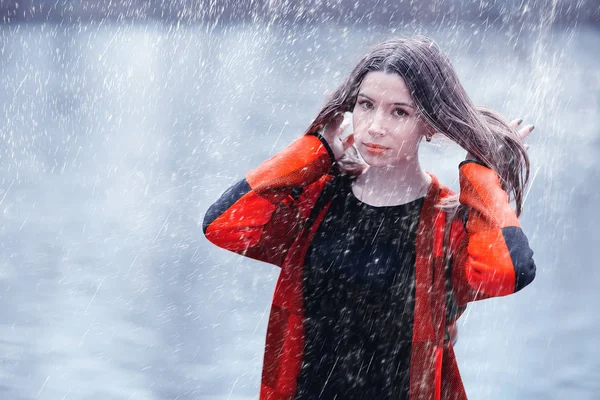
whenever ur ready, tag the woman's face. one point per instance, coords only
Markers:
(385, 115)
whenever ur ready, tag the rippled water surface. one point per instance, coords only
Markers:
(117, 138)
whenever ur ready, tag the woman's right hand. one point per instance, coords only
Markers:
(332, 133)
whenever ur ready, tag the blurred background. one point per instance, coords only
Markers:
(123, 121)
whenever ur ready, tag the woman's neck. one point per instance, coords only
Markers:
(388, 186)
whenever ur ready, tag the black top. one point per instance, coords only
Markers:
(359, 301)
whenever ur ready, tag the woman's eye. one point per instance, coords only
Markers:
(366, 104)
(400, 112)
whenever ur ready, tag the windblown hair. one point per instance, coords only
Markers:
(443, 103)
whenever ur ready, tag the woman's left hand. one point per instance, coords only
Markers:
(523, 133)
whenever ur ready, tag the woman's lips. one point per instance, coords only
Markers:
(376, 150)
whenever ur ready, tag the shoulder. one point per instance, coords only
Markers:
(446, 192)
(322, 189)
(447, 203)
(446, 199)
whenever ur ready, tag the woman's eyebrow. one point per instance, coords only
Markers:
(399, 104)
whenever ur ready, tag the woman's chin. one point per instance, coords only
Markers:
(377, 162)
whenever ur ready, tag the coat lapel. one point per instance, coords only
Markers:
(427, 352)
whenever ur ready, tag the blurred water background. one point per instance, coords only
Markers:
(123, 121)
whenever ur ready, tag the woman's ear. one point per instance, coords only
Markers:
(430, 130)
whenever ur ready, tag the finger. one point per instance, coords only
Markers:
(526, 131)
(344, 125)
(349, 141)
(516, 122)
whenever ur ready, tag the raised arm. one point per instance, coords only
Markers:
(490, 253)
(258, 216)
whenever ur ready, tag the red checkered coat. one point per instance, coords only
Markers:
(263, 216)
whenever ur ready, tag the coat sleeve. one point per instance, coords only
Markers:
(490, 253)
(258, 216)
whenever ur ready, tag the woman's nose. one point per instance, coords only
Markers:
(376, 127)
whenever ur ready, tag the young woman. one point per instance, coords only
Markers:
(378, 258)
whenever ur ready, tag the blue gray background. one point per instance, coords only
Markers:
(122, 122)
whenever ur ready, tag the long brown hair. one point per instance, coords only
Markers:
(443, 103)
